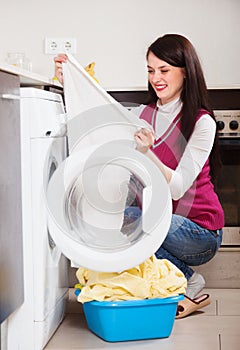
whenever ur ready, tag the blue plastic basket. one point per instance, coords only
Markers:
(132, 320)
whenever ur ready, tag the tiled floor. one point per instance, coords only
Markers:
(216, 327)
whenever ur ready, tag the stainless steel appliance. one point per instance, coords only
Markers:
(228, 185)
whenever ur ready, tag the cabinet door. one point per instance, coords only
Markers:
(11, 256)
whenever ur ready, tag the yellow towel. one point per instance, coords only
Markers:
(154, 278)
(90, 69)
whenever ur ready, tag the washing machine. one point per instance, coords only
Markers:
(104, 178)
(43, 149)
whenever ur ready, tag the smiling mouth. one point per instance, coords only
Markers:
(160, 87)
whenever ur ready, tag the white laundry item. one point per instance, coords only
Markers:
(81, 91)
(85, 97)
(97, 120)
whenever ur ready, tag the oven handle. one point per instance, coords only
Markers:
(233, 141)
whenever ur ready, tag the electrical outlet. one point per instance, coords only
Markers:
(60, 45)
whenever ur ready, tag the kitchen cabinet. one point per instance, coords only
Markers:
(11, 254)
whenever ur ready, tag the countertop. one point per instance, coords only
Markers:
(28, 78)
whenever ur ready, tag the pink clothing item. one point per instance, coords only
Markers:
(200, 203)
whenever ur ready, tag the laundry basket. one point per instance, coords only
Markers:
(132, 320)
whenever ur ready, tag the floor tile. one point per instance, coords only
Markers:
(229, 302)
(203, 325)
(189, 342)
(230, 342)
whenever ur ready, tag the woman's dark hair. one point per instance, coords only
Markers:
(177, 51)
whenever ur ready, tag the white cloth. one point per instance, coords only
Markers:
(97, 120)
(81, 91)
(196, 152)
(85, 97)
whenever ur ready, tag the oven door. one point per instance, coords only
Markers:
(228, 189)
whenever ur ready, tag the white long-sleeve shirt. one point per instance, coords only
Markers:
(197, 149)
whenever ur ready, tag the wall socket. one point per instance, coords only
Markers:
(60, 45)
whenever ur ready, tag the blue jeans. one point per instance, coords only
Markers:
(187, 244)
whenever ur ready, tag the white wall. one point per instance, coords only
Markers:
(116, 34)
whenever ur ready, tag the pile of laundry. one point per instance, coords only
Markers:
(154, 278)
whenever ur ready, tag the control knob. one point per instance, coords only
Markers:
(233, 124)
(220, 125)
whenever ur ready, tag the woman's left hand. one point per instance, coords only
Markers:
(144, 139)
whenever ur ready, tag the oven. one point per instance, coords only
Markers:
(228, 184)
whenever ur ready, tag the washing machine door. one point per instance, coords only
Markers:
(109, 205)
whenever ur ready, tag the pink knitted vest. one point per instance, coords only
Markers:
(200, 203)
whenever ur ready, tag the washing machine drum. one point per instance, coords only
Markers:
(109, 207)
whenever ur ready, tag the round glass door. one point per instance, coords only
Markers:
(109, 207)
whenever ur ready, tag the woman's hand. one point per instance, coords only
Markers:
(58, 66)
(144, 139)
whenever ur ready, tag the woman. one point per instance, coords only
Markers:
(184, 146)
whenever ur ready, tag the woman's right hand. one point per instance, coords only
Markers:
(59, 59)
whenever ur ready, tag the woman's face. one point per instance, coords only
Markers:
(166, 80)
